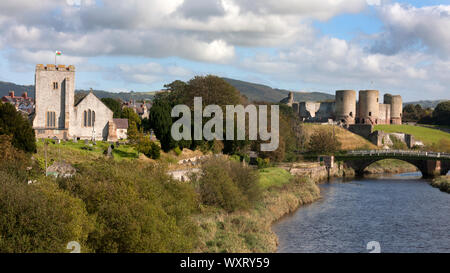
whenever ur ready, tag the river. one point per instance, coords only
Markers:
(401, 213)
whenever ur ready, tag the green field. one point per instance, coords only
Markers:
(427, 135)
(270, 177)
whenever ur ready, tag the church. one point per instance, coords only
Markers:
(57, 116)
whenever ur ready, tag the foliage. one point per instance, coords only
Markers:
(37, 217)
(137, 208)
(114, 105)
(161, 122)
(416, 113)
(263, 162)
(323, 142)
(177, 151)
(397, 144)
(441, 113)
(12, 123)
(133, 132)
(273, 177)
(228, 185)
(129, 114)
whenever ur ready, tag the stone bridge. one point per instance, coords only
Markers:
(430, 164)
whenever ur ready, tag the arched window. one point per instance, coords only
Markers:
(89, 118)
(85, 119)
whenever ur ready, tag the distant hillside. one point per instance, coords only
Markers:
(425, 103)
(5, 87)
(259, 92)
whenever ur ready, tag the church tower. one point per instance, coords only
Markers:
(54, 100)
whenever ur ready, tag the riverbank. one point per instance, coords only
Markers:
(250, 231)
(442, 183)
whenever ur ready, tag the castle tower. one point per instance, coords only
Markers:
(368, 107)
(54, 100)
(346, 106)
(396, 104)
(291, 99)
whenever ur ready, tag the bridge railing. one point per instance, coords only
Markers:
(399, 153)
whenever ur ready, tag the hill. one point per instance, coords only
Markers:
(5, 87)
(428, 136)
(425, 103)
(259, 92)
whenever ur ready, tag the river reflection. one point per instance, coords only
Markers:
(403, 213)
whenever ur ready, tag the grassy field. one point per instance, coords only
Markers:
(270, 177)
(349, 140)
(427, 135)
(78, 152)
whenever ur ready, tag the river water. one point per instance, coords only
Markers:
(401, 213)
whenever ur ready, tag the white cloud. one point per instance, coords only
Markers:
(150, 72)
(409, 27)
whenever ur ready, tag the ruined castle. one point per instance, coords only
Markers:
(347, 110)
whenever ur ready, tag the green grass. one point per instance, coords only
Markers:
(427, 135)
(270, 177)
(76, 152)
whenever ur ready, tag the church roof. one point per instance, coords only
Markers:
(121, 123)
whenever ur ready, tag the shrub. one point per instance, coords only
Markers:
(12, 123)
(324, 142)
(177, 151)
(138, 208)
(262, 163)
(155, 151)
(397, 143)
(228, 185)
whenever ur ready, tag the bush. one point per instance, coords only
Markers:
(155, 151)
(12, 123)
(138, 208)
(228, 185)
(39, 217)
(262, 163)
(397, 143)
(177, 151)
(324, 142)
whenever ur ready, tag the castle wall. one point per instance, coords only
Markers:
(384, 114)
(346, 106)
(368, 107)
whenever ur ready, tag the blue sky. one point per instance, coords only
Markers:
(399, 47)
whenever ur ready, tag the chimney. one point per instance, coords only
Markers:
(11, 94)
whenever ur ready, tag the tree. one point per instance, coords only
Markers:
(161, 122)
(441, 113)
(114, 105)
(129, 114)
(133, 132)
(324, 142)
(12, 123)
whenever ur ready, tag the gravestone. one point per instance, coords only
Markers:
(86, 142)
(109, 151)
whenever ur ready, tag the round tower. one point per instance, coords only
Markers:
(345, 106)
(368, 106)
(396, 109)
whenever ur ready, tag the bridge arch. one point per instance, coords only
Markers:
(429, 167)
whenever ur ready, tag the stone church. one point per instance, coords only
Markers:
(56, 114)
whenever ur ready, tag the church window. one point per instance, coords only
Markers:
(89, 118)
(51, 119)
(55, 85)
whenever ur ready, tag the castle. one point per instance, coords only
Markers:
(347, 111)
(57, 116)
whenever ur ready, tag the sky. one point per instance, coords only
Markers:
(399, 47)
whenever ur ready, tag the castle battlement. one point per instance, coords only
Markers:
(52, 67)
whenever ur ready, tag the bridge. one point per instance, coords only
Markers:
(430, 164)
